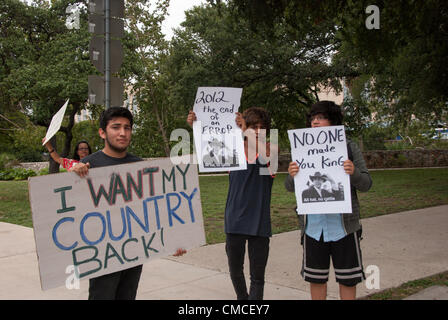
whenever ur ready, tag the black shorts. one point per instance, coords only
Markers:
(345, 255)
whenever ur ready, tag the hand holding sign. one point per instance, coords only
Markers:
(293, 168)
(81, 169)
(349, 167)
(191, 118)
(240, 122)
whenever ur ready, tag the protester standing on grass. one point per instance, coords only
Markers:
(247, 213)
(82, 150)
(333, 235)
(116, 131)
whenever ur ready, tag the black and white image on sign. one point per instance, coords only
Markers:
(217, 154)
(322, 188)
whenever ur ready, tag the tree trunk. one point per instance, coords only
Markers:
(53, 166)
(68, 130)
(166, 143)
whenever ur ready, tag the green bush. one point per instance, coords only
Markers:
(399, 145)
(439, 144)
(28, 155)
(16, 174)
(433, 144)
(28, 143)
(7, 160)
(45, 171)
(375, 136)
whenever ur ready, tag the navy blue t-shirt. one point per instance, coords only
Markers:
(248, 207)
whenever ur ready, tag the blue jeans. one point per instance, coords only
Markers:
(258, 249)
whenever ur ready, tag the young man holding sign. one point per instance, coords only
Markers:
(335, 235)
(116, 131)
(247, 214)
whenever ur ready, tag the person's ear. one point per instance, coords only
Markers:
(102, 133)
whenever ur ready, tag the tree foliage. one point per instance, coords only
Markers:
(277, 69)
(43, 62)
(156, 117)
(405, 59)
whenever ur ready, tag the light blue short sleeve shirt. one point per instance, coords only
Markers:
(330, 225)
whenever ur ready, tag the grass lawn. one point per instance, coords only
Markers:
(14, 203)
(409, 288)
(392, 191)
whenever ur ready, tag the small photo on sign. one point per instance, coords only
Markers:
(219, 154)
(322, 188)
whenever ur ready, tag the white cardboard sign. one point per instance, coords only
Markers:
(218, 140)
(56, 122)
(321, 186)
(115, 218)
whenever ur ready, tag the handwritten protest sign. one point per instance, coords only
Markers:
(115, 218)
(218, 141)
(321, 186)
(55, 123)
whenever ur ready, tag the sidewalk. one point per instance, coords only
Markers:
(404, 246)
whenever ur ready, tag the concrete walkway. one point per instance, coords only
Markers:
(401, 247)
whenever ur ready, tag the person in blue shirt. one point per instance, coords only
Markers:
(247, 215)
(333, 235)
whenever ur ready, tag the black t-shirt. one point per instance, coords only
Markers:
(248, 202)
(100, 159)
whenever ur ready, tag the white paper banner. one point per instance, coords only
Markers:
(115, 218)
(218, 141)
(56, 122)
(321, 186)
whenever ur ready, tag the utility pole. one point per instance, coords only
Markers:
(106, 52)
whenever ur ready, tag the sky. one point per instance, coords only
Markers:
(176, 14)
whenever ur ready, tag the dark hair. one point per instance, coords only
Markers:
(255, 115)
(329, 110)
(114, 112)
(75, 152)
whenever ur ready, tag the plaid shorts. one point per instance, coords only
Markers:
(345, 255)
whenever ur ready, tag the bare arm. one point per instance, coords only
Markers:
(53, 154)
